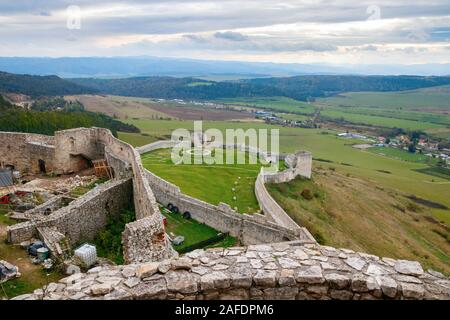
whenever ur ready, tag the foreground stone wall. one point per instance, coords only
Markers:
(278, 271)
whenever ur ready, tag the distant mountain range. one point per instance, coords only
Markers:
(299, 87)
(119, 67)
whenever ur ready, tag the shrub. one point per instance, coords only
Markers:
(307, 194)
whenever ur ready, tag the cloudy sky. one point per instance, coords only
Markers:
(301, 31)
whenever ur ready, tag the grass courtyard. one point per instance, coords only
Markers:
(192, 231)
(210, 183)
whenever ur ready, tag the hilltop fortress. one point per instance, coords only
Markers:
(277, 259)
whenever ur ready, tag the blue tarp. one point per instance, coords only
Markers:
(6, 178)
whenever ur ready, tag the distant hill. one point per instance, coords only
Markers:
(39, 85)
(120, 67)
(300, 87)
(43, 118)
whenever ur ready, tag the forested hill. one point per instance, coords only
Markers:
(319, 86)
(45, 120)
(36, 86)
(300, 88)
(177, 88)
(3, 103)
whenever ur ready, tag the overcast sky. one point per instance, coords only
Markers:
(327, 31)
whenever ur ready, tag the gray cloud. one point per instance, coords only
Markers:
(230, 35)
(329, 28)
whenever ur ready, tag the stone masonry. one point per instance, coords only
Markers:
(285, 271)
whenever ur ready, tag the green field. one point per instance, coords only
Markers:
(436, 172)
(403, 155)
(325, 145)
(435, 118)
(210, 183)
(360, 118)
(282, 104)
(428, 98)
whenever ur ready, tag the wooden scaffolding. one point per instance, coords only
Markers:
(102, 169)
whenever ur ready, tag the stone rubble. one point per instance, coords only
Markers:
(279, 271)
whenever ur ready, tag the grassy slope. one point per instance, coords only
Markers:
(380, 221)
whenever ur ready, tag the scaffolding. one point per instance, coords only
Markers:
(102, 169)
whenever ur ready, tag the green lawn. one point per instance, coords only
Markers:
(192, 231)
(210, 183)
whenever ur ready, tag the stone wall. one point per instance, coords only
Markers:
(298, 164)
(161, 144)
(272, 210)
(285, 271)
(70, 151)
(23, 151)
(249, 229)
(82, 218)
(144, 240)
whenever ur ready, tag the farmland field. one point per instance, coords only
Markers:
(403, 155)
(144, 108)
(120, 107)
(435, 98)
(380, 121)
(281, 104)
